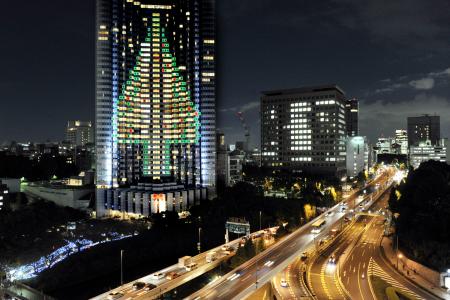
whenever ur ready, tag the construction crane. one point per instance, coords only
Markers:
(240, 115)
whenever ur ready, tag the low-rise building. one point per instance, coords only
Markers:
(425, 151)
(144, 199)
(4, 195)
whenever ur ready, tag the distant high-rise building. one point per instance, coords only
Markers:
(222, 158)
(155, 100)
(79, 133)
(351, 117)
(424, 128)
(357, 155)
(401, 139)
(304, 130)
(235, 162)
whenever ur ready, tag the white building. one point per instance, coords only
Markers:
(426, 151)
(384, 145)
(357, 158)
(401, 139)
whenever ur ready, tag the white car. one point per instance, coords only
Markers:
(190, 267)
(158, 275)
(283, 282)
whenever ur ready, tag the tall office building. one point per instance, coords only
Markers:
(424, 128)
(79, 133)
(155, 97)
(357, 155)
(351, 117)
(222, 156)
(303, 130)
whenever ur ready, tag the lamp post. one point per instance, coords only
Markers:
(121, 267)
(260, 212)
(199, 240)
(399, 256)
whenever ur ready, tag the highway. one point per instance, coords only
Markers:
(245, 279)
(162, 284)
(357, 256)
(321, 272)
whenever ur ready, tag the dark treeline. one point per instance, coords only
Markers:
(422, 208)
(44, 168)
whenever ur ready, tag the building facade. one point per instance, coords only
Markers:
(384, 145)
(79, 133)
(351, 117)
(426, 151)
(424, 128)
(155, 95)
(401, 139)
(357, 155)
(234, 168)
(304, 130)
(4, 193)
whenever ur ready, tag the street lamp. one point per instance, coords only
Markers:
(199, 240)
(260, 220)
(121, 267)
(399, 256)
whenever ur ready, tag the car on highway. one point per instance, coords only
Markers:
(283, 282)
(149, 287)
(269, 263)
(138, 285)
(329, 214)
(114, 295)
(172, 275)
(158, 275)
(191, 266)
(304, 255)
(332, 259)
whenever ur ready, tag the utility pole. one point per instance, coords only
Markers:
(121, 267)
(256, 276)
(199, 240)
(260, 220)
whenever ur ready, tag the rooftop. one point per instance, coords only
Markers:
(307, 89)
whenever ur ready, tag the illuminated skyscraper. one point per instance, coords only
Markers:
(155, 95)
(304, 130)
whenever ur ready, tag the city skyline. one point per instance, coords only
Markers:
(393, 70)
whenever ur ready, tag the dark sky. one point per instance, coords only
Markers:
(392, 55)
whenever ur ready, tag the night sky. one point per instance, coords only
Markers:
(392, 55)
